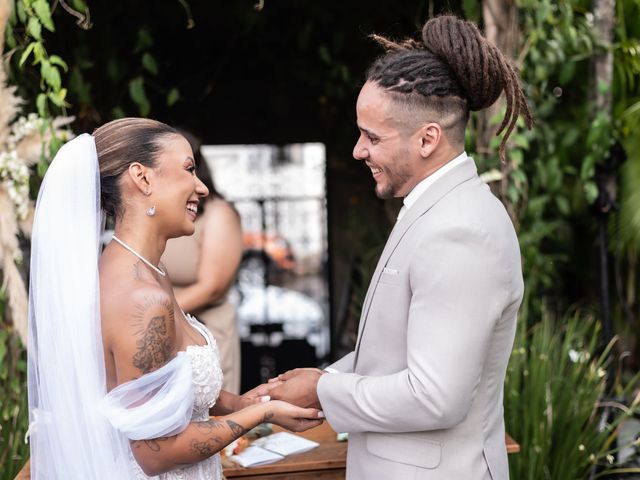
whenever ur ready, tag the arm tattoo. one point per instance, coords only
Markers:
(155, 346)
(236, 429)
(153, 444)
(206, 448)
(209, 426)
(267, 417)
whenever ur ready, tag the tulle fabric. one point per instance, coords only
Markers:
(158, 404)
(71, 437)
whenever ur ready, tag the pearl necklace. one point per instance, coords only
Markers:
(147, 262)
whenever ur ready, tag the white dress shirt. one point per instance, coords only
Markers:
(424, 184)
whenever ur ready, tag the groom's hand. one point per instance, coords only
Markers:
(298, 387)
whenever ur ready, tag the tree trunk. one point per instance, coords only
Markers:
(602, 63)
(500, 28)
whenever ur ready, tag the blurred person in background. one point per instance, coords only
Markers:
(203, 268)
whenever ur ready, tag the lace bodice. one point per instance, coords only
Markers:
(207, 381)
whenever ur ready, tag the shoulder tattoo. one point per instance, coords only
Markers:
(155, 319)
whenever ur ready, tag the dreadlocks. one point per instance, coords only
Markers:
(453, 71)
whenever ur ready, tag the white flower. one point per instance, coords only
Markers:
(14, 175)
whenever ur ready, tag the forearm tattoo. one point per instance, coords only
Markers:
(237, 429)
(154, 346)
(208, 447)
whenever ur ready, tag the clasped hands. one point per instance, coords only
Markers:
(297, 387)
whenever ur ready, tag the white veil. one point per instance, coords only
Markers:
(77, 431)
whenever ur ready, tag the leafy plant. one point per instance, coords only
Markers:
(554, 390)
(14, 414)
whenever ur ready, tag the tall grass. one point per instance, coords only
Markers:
(554, 400)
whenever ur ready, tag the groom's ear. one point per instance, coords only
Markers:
(429, 137)
(141, 177)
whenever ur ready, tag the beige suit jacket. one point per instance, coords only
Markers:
(421, 395)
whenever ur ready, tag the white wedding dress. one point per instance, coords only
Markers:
(207, 382)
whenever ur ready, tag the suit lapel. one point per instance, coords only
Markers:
(460, 174)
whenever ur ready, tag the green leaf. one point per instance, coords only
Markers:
(591, 191)
(11, 39)
(56, 60)
(41, 103)
(51, 75)
(58, 97)
(566, 72)
(139, 96)
(43, 12)
(79, 5)
(34, 28)
(118, 112)
(149, 63)
(145, 40)
(516, 156)
(42, 168)
(26, 53)
(521, 141)
(563, 205)
(22, 15)
(173, 96)
(39, 53)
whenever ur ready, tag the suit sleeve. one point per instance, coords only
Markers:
(344, 365)
(459, 290)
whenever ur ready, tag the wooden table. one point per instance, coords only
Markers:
(326, 462)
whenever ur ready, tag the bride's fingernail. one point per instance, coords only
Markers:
(320, 414)
(265, 398)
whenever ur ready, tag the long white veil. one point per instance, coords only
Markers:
(66, 361)
(77, 431)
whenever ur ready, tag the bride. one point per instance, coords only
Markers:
(122, 382)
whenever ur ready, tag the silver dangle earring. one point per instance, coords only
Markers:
(151, 211)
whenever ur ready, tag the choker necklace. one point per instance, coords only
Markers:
(147, 262)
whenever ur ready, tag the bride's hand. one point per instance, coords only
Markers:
(293, 418)
(257, 394)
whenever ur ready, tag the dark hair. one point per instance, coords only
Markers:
(120, 143)
(453, 71)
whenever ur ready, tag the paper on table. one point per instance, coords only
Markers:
(253, 456)
(285, 443)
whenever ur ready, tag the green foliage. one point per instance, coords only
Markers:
(25, 35)
(548, 185)
(555, 385)
(14, 415)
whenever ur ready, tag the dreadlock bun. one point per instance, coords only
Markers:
(453, 60)
(480, 68)
(476, 65)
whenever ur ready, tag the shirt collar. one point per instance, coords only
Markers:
(424, 184)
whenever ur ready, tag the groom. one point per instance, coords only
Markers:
(421, 394)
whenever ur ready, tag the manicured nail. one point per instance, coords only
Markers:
(265, 398)
(320, 414)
